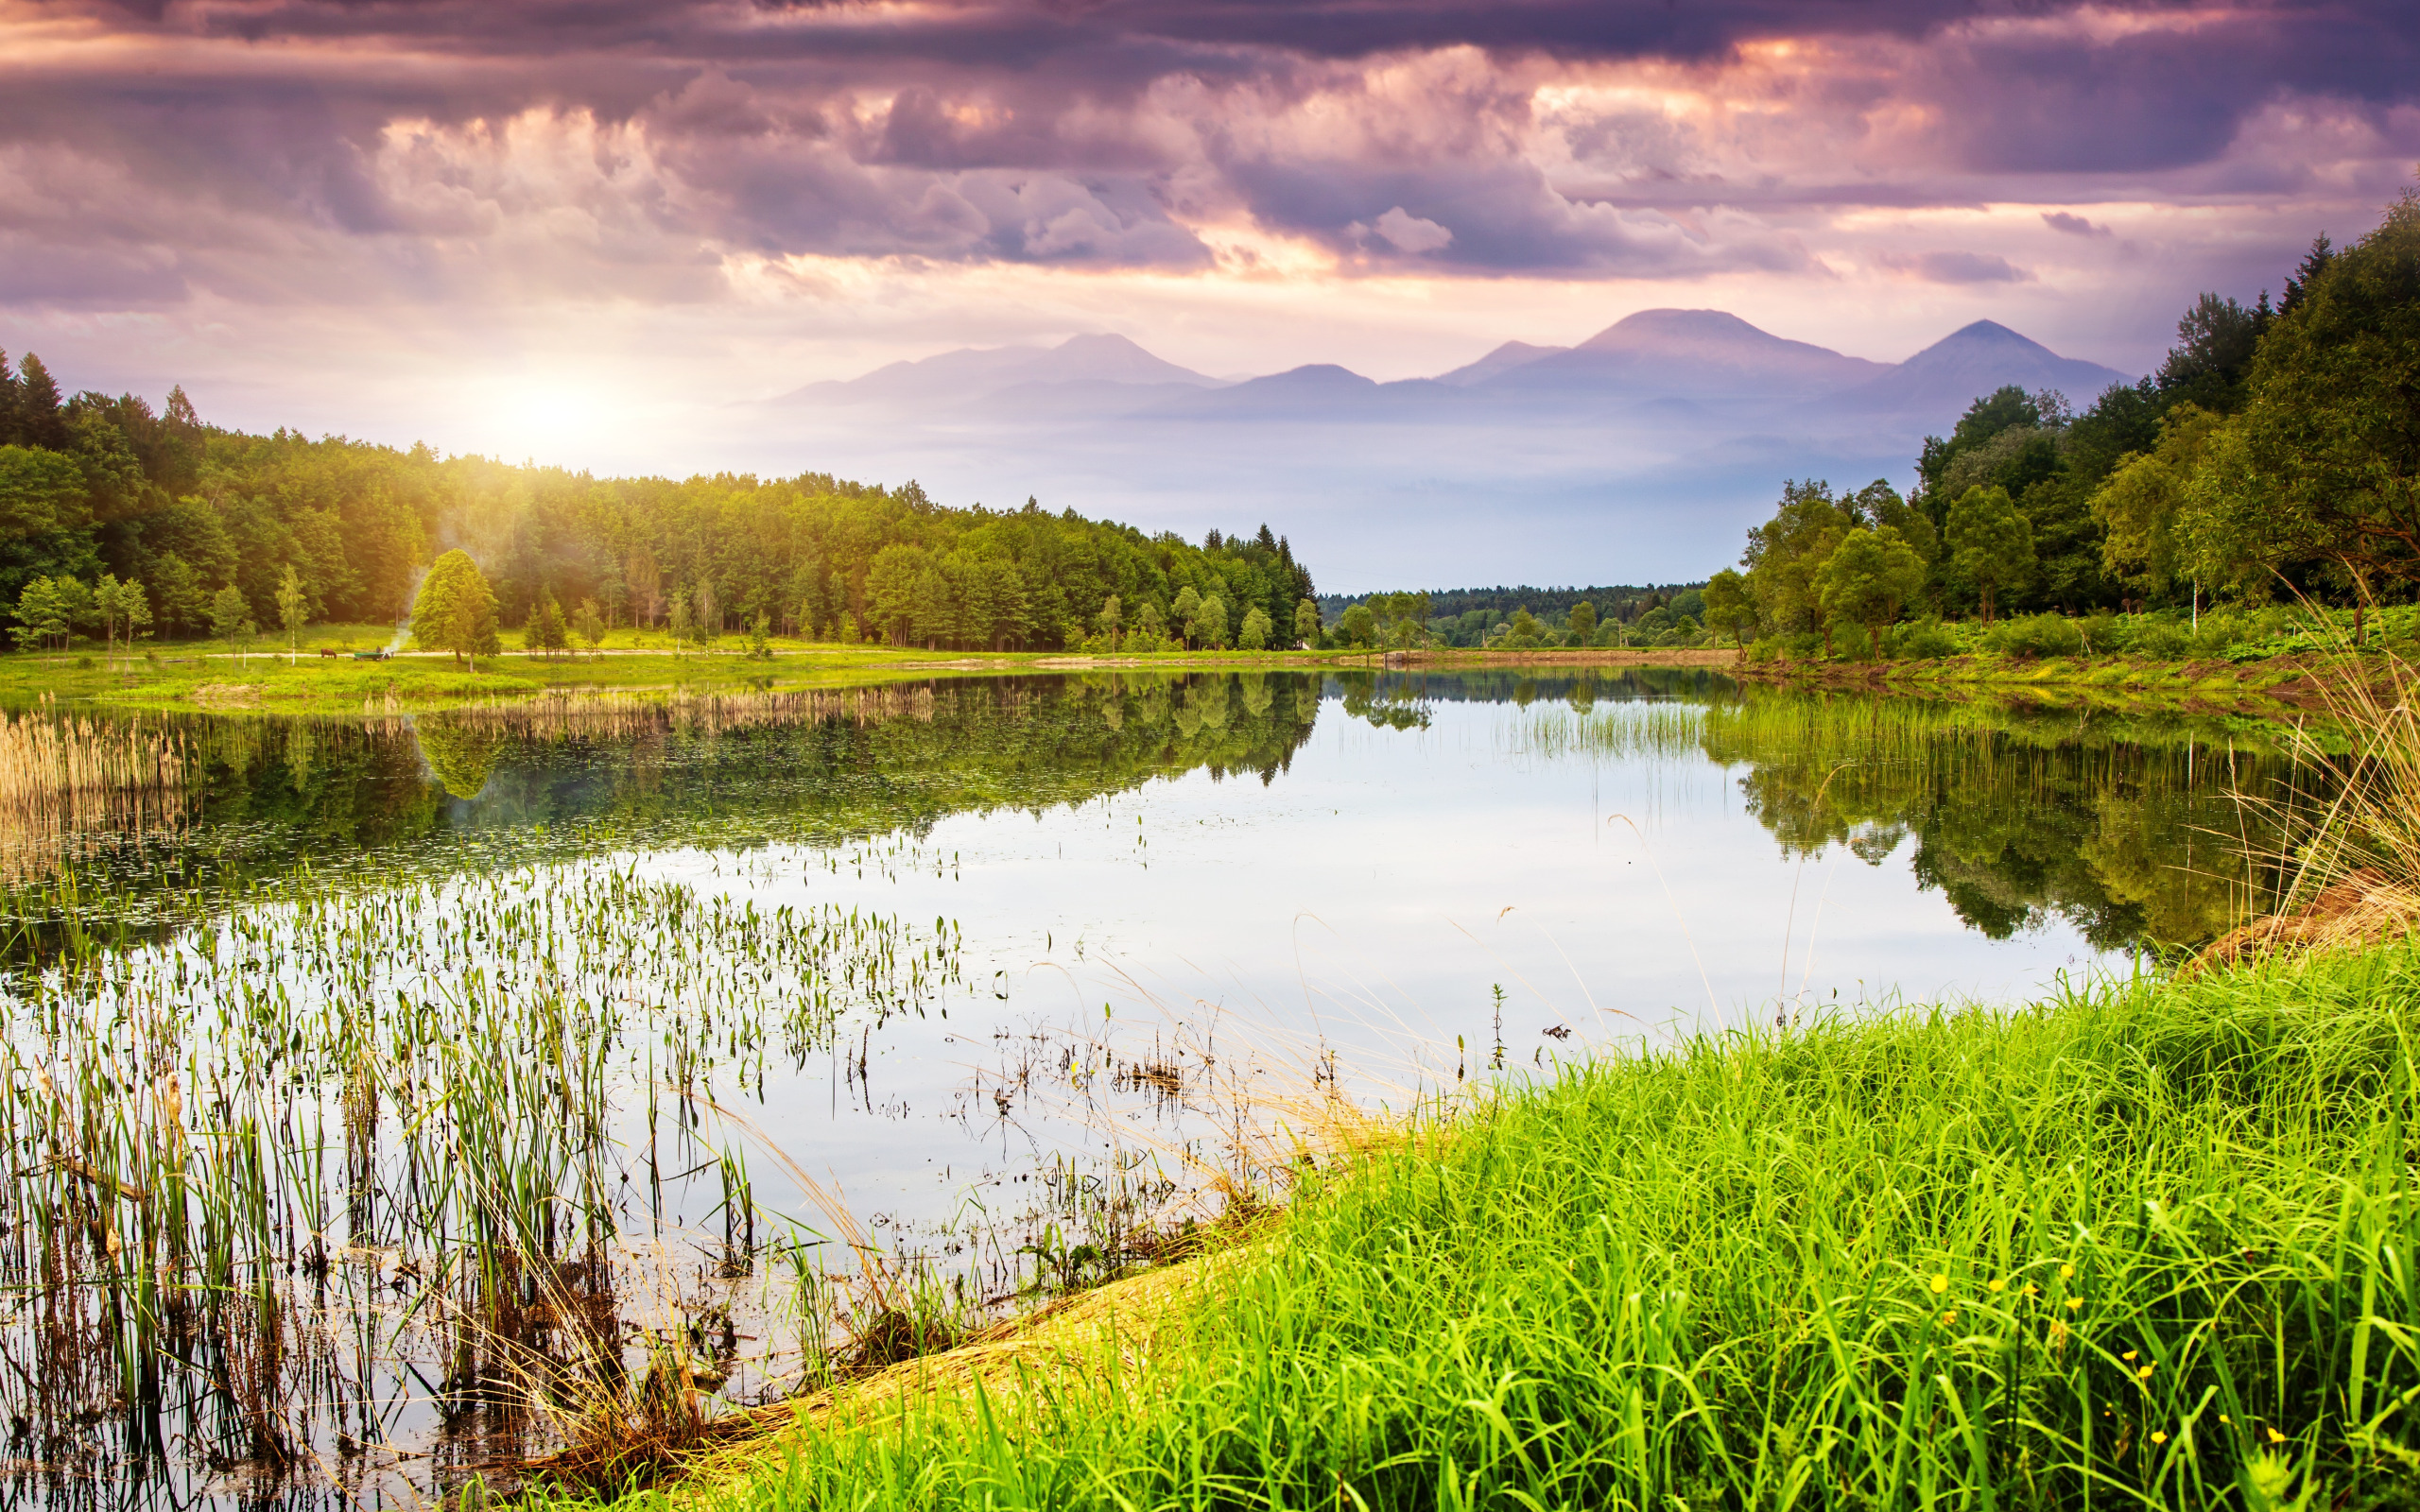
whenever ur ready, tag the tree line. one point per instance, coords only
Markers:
(2275, 453)
(215, 525)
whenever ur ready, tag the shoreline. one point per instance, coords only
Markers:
(1336, 1336)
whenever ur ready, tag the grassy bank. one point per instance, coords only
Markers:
(204, 675)
(2146, 1244)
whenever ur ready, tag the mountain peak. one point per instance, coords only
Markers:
(1661, 327)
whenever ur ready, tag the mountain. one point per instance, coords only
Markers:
(972, 372)
(1689, 353)
(1504, 358)
(1319, 392)
(1942, 380)
(1640, 454)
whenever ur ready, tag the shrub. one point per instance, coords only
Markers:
(2162, 639)
(1923, 640)
(2036, 635)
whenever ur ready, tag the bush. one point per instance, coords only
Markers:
(2036, 635)
(1923, 640)
(2161, 639)
(2218, 635)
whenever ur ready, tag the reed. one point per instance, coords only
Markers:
(2143, 1245)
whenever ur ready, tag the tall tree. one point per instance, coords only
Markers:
(1869, 577)
(1582, 622)
(40, 419)
(231, 620)
(589, 622)
(1306, 623)
(456, 611)
(1990, 543)
(293, 607)
(2322, 467)
(1729, 610)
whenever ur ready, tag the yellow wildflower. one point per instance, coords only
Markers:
(2275, 1437)
(2066, 1273)
(2074, 1302)
(1998, 1285)
(1939, 1284)
(2159, 1438)
(2128, 1355)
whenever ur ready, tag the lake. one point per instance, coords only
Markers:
(384, 1095)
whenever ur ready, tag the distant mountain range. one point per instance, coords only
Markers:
(1638, 454)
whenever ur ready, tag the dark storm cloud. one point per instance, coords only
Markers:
(654, 137)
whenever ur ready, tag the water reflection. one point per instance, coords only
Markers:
(2136, 830)
(478, 975)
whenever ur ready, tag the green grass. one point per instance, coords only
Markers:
(203, 674)
(2147, 1244)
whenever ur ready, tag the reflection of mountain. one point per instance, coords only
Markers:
(1638, 454)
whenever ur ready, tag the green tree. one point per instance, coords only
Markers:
(589, 622)
(1254, 636)
(1358, 627)
(707, 613)
(1869, 577)
(1785, 552)
(2141, 506)
(231, 620)
(1186, 608)
(1210, 627)
(679, 620)
(1990, 543)
(1151, 625)
(41, 614)
(456, 610)
(1110, 614)
(760, 637)
(546, 629)
(120, 605)
(1583, 620)
(1306, 623)
(1728, 609)
(293, 607)
(2321, 468)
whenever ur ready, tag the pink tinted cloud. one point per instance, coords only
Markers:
(449, 149)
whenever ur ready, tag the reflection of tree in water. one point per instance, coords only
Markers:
(486, 789)
(461, 755)
(2017, 818)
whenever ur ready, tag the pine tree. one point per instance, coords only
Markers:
(7, 403)
(38, 421)
(546, 630)
(2306, 273)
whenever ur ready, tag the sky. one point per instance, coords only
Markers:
(575, 231)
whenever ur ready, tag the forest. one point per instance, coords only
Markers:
(114, 515)
(1518, 619)
(2273, 456)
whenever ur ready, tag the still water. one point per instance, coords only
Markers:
(396, 1089)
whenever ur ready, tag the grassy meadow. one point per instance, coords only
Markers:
(2148, 1243)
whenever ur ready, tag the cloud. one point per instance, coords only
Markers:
(301, 149)
(1955, 268)
(2059, 221)
(1409, 233)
